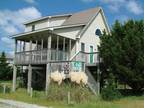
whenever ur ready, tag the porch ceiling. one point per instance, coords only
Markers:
(34, 35)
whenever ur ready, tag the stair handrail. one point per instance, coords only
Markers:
(92, 82)
(74, 55)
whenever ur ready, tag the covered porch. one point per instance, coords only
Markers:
(43, 47)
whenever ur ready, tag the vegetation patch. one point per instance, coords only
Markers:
(78, 93)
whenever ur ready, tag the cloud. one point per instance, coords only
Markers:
(122, 18)
(8, 42)
(10, 53)
(134, 7)
(130, 5)
(30, 1)
(86, 1)
(8, 45)
(11, 21)
(114, 5)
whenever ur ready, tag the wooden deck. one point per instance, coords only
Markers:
(45, 56)
(40, 56)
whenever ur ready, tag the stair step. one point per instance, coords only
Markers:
(93, 85)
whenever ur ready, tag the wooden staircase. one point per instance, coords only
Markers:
(90, 68)
(93, 83)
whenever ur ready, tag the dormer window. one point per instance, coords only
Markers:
(98, 32)
(33, 27)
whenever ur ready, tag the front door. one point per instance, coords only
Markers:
(91, 54)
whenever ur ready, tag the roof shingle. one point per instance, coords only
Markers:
(82, 17)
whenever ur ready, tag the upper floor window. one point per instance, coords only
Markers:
(33, 27)
(98, 32)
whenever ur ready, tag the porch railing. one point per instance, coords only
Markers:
(40, 56)
(87, 58)
(76, 63)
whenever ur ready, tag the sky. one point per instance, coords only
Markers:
(13, 13)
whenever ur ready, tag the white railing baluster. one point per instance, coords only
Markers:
(40, 56)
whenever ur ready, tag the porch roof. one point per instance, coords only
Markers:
(33, 36)
(38, 33)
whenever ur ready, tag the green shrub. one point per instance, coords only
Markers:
(6, 91)
(110, 92)
(21, 83)
(1, 88)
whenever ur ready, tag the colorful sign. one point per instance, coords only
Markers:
(77, 66)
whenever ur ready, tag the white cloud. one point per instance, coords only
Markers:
(10, 53)
(114, 5)
(11, 21)
(114, 1)
(30, 1)
(86, 1)
(134, 7)
(122, 18)
(130, 5)
(8, 42)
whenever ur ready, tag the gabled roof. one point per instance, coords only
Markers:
(46, 17)
(82, 17)
(95, 12)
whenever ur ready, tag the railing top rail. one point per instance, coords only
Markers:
(45, 49)
(89, 52)
(64, 61)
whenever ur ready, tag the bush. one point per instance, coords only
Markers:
(110, 92)
(1, 89)
(6, 91)
(121, 51)
(78, 93)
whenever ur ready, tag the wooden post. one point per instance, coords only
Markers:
(64, 49)
(16, 42)
(69, 48)
(57, 49)
(24, 46)
(77, 46)
(68, 101)
(36, 45)
(24, 51)
(98, 75)
(30, 45)
(14, 69)
(29, 70)
(36, 48)
(20, 46)
(48, 65)
(31, 92)
(29, 78)
(47, 77)
(49, 48)
(14, 78)
(41, 49)
(30, 49)
(20, 51)
(4, 89)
